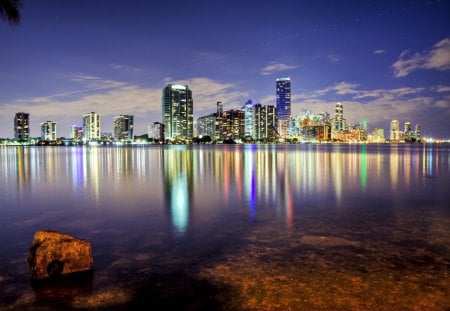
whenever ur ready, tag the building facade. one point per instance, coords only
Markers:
(206, 125)
(76, 132)
(156, 132)
(48, 131)
(283, 93)
(22, 126)
(124, 128)
(178, 112)
(91, 126)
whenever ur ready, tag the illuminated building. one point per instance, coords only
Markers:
(48, 131)
(206, 125)
(377, 136)
(76, 132)
(283, 88)
(22, 126)
(231, 125)
(264, 122)
(156, 132)
(124, 128)
(363, 129)
(91, 126)
(177, 109)
(395, 134)
(417, 132)
(248, 118)
(339, 121)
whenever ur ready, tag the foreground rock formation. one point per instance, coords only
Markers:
(53, 254)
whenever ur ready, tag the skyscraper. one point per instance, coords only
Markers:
(283, 86)
(178, 112)
(124, 128)
(48, 131)
(339, 121)
(417, 132)
(91, 126)
(248, 118)
(395, 131)
(22, 126)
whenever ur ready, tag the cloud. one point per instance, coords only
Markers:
(379, 51)
(437, 58)
(442, 89)
(333, 58)
(125, 68)
(276, 67)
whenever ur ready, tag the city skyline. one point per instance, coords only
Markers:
(381, 60)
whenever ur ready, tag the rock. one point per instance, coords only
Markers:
(53, 254)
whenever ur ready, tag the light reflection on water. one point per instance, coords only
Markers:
(147, 198)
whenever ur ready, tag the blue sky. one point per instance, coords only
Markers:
(381, 59)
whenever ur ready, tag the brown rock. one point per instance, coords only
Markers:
(52, 254)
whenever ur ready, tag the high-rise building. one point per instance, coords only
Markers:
(265, 122)
(91, 126)
(339, 121)
(178, 112)
(283, 86)
(22, 126)
(248, 118)
(231, 125)
(156, 132)
(417, 132)
(395, 131)
(363, 129)
(76, 132)
(48, 131)
(206, 125)
(124, 128)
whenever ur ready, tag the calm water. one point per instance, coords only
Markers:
(233, 227)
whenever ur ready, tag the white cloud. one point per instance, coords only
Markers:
(333, 58)
(437, 58)
(380, 51)
(442, 89)
(276, 67)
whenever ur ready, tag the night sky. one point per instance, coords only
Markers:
(382, 60)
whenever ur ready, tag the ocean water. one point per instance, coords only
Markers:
(234, 227)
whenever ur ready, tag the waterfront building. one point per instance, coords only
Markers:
(206, 125)
(91, 126)
(283, 104)
(377, 136)
(339, 121)
(248, 118)
(76, 132)
(124, 128)
(417, 132)
(231, 125)
(156, 132)
(48, 131)
(177, 110)
(363, 129)
(219, 116)
(395, 133)
(22, 126)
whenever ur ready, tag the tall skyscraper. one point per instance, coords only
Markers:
(178, 112)
(283, 86)
(48, 131)
(248, 118)
(91, 126)
(22, 126)
(339, 121)
(395, 131)
(124, 128)
(417, 132)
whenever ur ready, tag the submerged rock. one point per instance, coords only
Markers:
(53, 254)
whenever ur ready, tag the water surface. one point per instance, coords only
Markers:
(233, 226)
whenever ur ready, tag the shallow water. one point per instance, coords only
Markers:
(233, 226)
